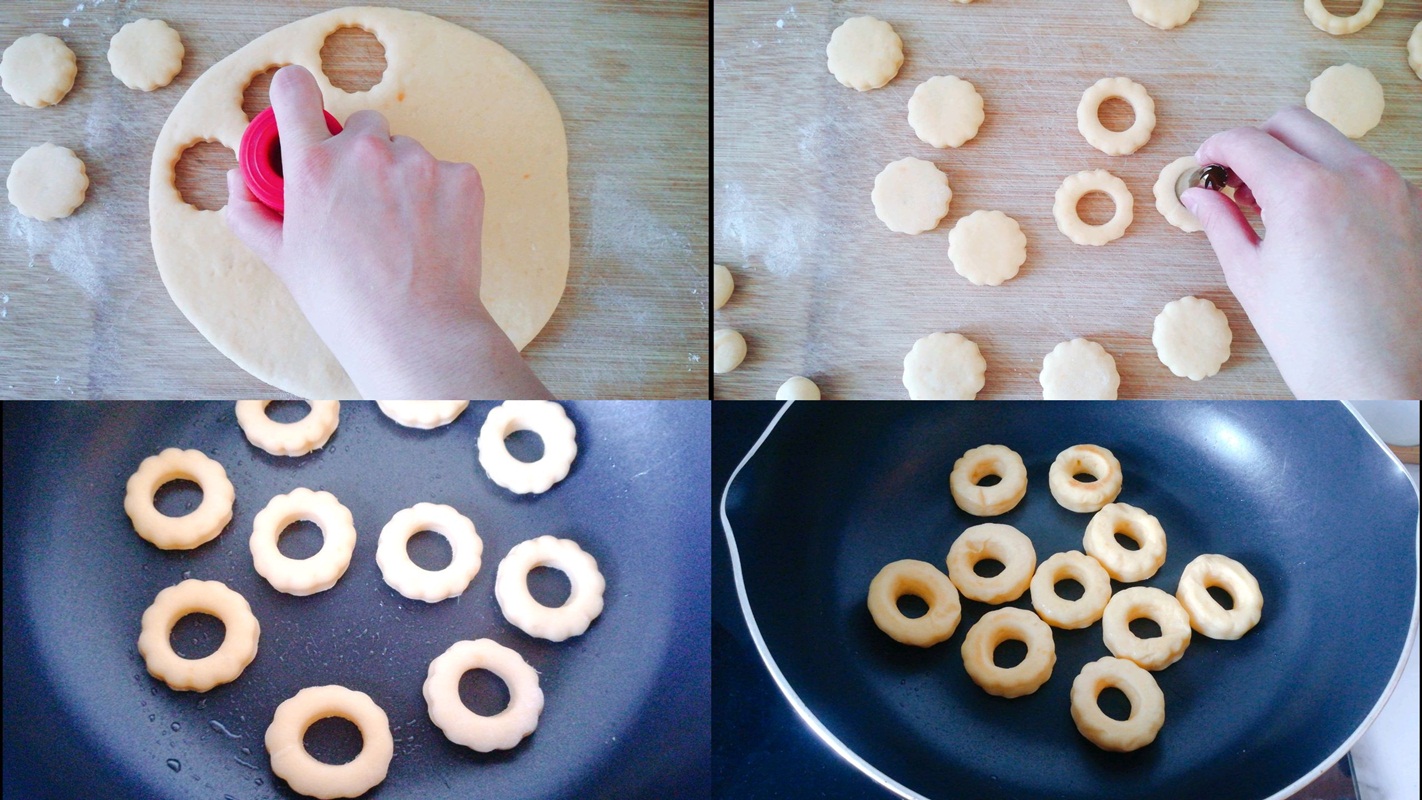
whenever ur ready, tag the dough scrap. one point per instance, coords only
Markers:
(1325, 21)
(944, 366)
(464, 97)
(798, 388)
(945, 111)
(911, 196)
(1192, 338)
(47, 182)
(423, 414)
(729, 350)
(1079, 185)
(1414, 50)
(722, 286)
(146, 54)
(864, 53)
(1079, 370)
(987, 247)
(38, 70)
(1115, 143)
(1164, 14)
(1348, 97)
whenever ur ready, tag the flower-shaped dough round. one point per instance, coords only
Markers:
(584, 602)
(306, 576)
(1192, 338)
(1079, 185)
(501, 731)
(1167, 203)
(304, 774)
(1116, 143)
(1348, 97)
(146, 54)
(1079, 370)
(545, 418)
(199, 526)
(945, 111)
(412, 580)
(1326, 21)
(798, 388)
(987, 247)
(911, 196)
(864, 53)
(1164, 14)
(944, 366)
(423, 414)
(224, 665)
(47, 182)
(38, 70)
(298, 438)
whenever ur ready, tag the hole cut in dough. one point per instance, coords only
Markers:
(256, 97)
(1327, 22)
(201, 175)
(1348, 97)
(1078, 185)
(945, 111)
(911, 196)
(864, 53)
(353, 59)
(1079, 370)
(1116, 143)
(38, 70)
(1192, 338)
(944, 366)
(47, 182)
(1164, 14)
(146, 54)
(987, 247)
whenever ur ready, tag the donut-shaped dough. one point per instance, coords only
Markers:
(911, 196)
(38, 70)
(311, 432)
(200, 525)
(423, 414)
(1084, 498)
(1116, 143)
(1348, 97)
(1079, 185)
(239, 642)
(1327, 22)
(1003, 543)
(980, 462)
(864, 53)
(304, 774)
(1139, 687)
(987, 248)
(944, 366)
(1079, 370)
(1146, 602)
(945, 111)
(1127, 566)
(584, 602)
(996, 627)
(414, 581)
(722, 286)
(1164, 14)
(306, 576)
(923, 580)
(798, 388)
(47, 182)
(1059, 611)
(1209, 617)
(500, 731)
(1167, 203)
(728, 350)
(545, 418)
(1192, 338)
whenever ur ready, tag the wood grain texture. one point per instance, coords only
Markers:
(823, 289)
(84, 313)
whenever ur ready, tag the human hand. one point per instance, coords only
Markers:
(380, 248)
(1335, 286)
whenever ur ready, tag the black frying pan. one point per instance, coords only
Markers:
(627, 703)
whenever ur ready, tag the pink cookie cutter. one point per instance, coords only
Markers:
(259, 156)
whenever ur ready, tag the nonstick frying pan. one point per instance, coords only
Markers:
(1321, 513)
(627, 703)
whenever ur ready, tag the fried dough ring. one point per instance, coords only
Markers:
(1150, 603)
(1001, 542)
(978, 463)
(923, 580)
(1099, 463)
(1139, 686)
(1209, 617)
(1127, 566)
(993, 629)
(1059, 611)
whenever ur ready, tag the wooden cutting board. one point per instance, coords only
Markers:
(83, 312)
(823, 289)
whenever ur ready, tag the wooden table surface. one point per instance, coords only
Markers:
(824, 289)
(83, 312)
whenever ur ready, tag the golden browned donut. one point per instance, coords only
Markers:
(1000, 542)
(980, 462)
(993, 629)
(1074, 495)
(923, 580)
(1071, 614)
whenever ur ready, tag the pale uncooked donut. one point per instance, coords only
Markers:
(462, 96)
(1126, 566)
(1115, 143)
(1083, 497)
(1192, 338)
(996, 627)
(410, 579)
(545, 418)
(945, 111)
(1209, 617)
(729, 350)
(306, 576)
(723, 285)
(1348, 97)
(146, 54)
(1325, 21)
(798, 388)
(1146, 602)
(911, 196)
(1167, 203)
(1139, 687)
(298, 438)
(1414, 50)
(501, 731)
(864, 53)
(923, 580)
(226, 663)
(980, 462)
(1079, 370)
(944, 366)
(1077, 186)
(38, 70)
(987, 247)
(1002, 543)
(304, 774)
(1164, 14)
(584, 602)
(47, 182)
(1059, 611)
(423, 414)
(202, 524)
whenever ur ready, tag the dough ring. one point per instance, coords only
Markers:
(311, 432)
(1126, 566)
(944, 366)
(423, 414)
(463, 96)
(729, 350)
(923, 580)
(945, 111)
(1079, 185)
(584, 602)
(911, 196)
(864, 53)
(545, 418)
(1146, 602)
(47, 182)
(996, 627)
(414, 581)
(977, 464)
(38, 70)
(987, 247)
(501, 731)
(1060, 612)
(1168, 203)
(1348, 97)
(1085, 497)
(304, 774)
(1116, 143)
(1209, 617)
(1325, 21)
(1003, 543)
(1139, 687)
(1079, 370)
(1192, 338)
(146, 54)
(306, 576)
(1164, 14)
(199, 526)
(1414, 50)
(224, 665)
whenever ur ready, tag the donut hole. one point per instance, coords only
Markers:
(353, 59)
(1095, 208)
(1114, 704)
(287, 411)
(333, 740)
(912, 606)
(988, 480)
(197, 635)
(1009, 654)
(1116, 114)
(1125, 539)
(200, 175)
(257, 97)
(1144, 628)
(429, 550)
(1221, 596)
(989, 567)
(483, 692)
(526, 446)
(177, 498)
(549, 586)
(1084, 477)
(1068, 589)
(300, 540)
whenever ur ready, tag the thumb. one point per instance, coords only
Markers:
(1234, 241)
(256, 225)
(296, 101)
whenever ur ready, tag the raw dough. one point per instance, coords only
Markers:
(290, 761)
(584, 602)
(1192, 338)
(945, 111)
(47, 182)
(146, 54)
(462, 96)
(1349, 97)
(798, 388)
(864, 53)
(239, 639)
(1164, 14)
(545, 418)
(305, 576)
(1077, 186)
(198, 526)
(987, 247)
(1126, 566)
(730, 350)
(298, 438)
(1167, 203)
(423, 414)
(723, 285)
(1414, 50)
(392, 553)
(1116, 143)
(1085, 496)
(1079, 370)
(911, 195)
(1060, 612)
(944, 366)
(500, 731)
(1325, 21)
(38, 70)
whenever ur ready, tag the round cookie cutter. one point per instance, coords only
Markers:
(259, 156)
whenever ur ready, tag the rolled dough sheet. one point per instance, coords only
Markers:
(464, 97)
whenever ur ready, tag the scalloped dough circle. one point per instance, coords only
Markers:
(1349, 97)
(945, 111)
(47, 183)
(146, 54)
(1192, 338)
(1164, 14)
(1414, 50)
(911, 196)
(987, 248)
(38, 70)
(1079, 370)
(464, 97)
(864, 53)
(944, 366)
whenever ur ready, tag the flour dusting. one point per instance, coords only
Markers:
(67, 243)
(765, 231)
